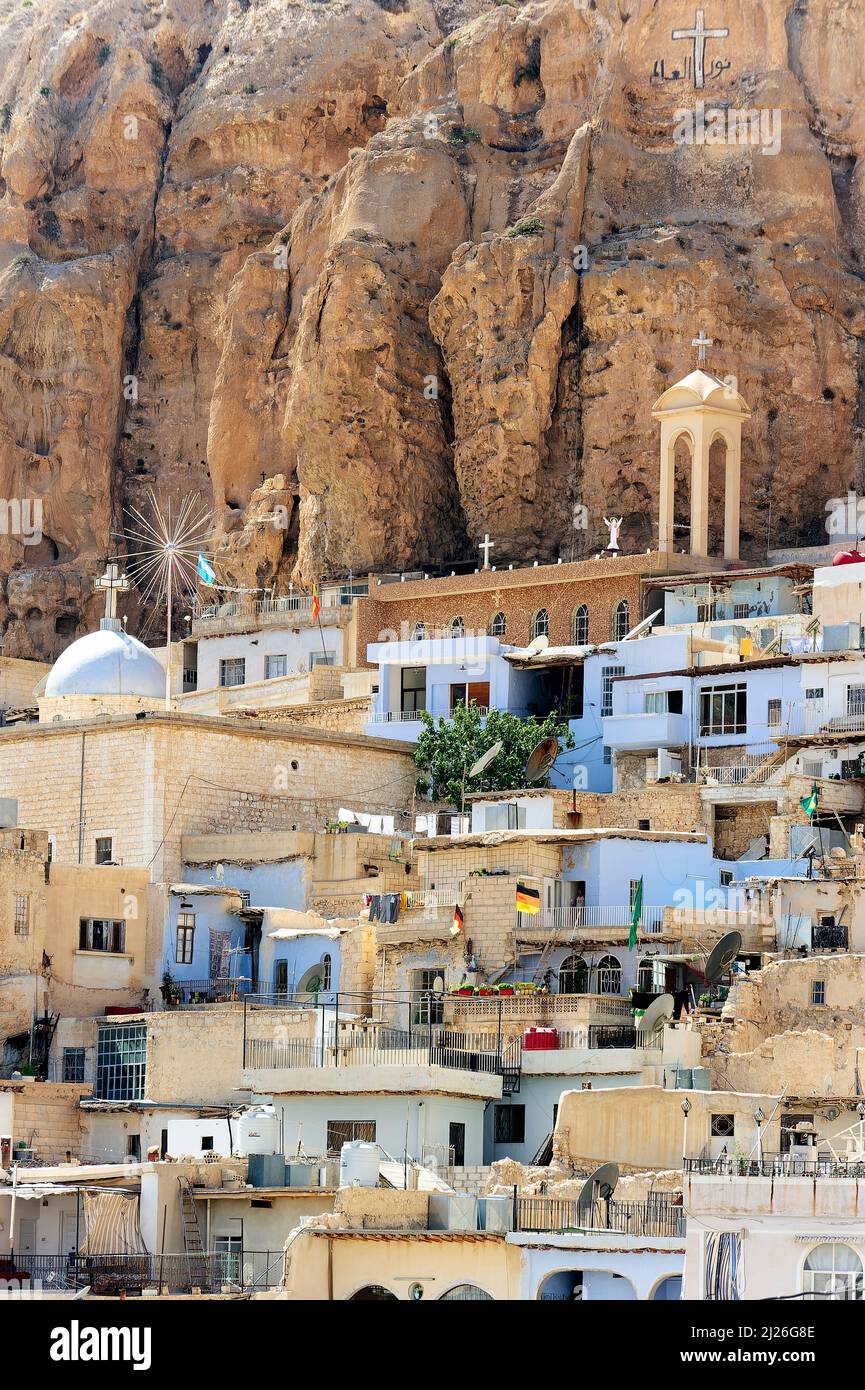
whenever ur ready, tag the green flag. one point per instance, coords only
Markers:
(809, 803)
(636, 914)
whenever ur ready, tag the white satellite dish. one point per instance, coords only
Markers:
(642, 627)
(485, 759)
(538, 644)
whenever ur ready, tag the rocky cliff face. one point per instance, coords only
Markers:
(372, 277)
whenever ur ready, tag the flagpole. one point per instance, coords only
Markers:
(317, 600)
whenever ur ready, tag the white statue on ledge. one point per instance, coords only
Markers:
(614, 525)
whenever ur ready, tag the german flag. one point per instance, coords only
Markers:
(528, 899)
(458, 923)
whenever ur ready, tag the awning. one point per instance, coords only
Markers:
(111, 1219)
(289, 934)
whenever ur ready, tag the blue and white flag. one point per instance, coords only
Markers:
(205, 570)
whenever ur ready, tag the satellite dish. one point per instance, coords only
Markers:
(485, 759)
(722, 956)
(541, 760)
(642, 627)
(600, 1186)
(656, 1014)
(537, 644)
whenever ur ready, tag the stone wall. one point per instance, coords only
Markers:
(147, 783)
(47, 1115)
(340, 716)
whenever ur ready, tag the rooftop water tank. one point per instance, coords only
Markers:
(258, 1131)
(358, 1164)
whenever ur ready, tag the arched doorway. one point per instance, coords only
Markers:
(573, 976)
(373, 1293)
(669, 1290)
(466, 1293)
(565, 1286)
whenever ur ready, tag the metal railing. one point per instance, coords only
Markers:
(775, 1165)
(658, 1215)
(602, 1036)
(188, 993)
(829, 937)
(415, 716)
(111, 1274)
(387, 1047)
(582, 917)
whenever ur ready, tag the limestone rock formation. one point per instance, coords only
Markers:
(372, 277)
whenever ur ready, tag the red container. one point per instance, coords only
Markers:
(541, 1039)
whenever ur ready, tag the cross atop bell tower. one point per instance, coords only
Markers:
(114, 583)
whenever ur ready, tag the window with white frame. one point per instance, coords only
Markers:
(275, 666)
(818, 992)
(540, 624)
(580, 626)
(706, 612)
(621, 620)
(22, 914)
(497, 625)
(814, 692)
(833, 1270)
(326, 658)
(185, 943)
(232, 671)
(773, 714)
(457, 627)
(608, 675)
(662, 702)
(104, 849)
(418, 632)
(723, 710)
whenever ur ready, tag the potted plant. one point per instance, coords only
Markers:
(170, 990)
(506, 989)
(485, 989)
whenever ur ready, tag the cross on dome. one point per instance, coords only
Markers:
(114, 583)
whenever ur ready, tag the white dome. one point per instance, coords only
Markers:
(107, 662)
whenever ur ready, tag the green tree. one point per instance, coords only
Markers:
(447, 749)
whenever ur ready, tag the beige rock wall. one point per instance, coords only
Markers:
(259, 253)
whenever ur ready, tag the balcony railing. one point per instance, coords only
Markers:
(657, 1216)
(582, 918)
(113, 1274)
(212, 617)
(776, 1165)
(387, 1047)
(189, 993)
(415, 716)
